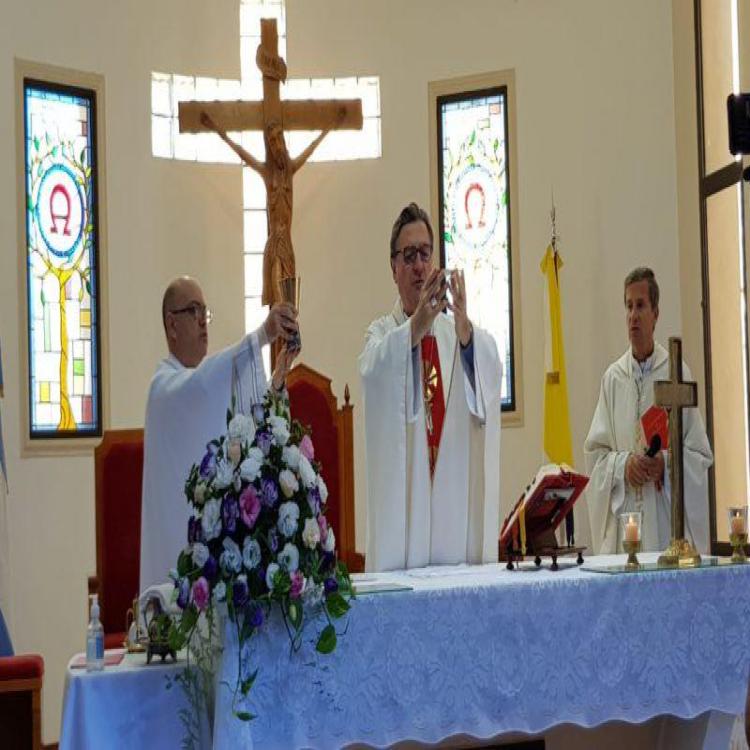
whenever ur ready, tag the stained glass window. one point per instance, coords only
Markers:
(62, 261)
(474, 204)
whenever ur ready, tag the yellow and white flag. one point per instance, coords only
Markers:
(557, 440)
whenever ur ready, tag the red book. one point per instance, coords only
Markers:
(545, 503)
(112, 657)
(656, 422)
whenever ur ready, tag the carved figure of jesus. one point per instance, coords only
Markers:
(277, 171)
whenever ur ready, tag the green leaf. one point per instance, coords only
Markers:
(327, 641)
(245, 716)
(36, 143)
(473, 137)
(42, 296)
(448, 237)
(495, 144)
(184, 564)
(470, 159)
(82, 156)
(29, 203)
(87, 172)
(245, 685)
(88, 287)
(336, 605)
(295, 615)
(504, 199)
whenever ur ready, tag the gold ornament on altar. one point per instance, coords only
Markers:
(136, 637)
(738, 533)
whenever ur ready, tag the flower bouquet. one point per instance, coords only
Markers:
(258, 538)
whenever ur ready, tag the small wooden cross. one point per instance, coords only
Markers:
(675, 395)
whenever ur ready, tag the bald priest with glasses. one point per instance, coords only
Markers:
(431, 385)
(187, 405)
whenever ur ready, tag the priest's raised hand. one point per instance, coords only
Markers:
(432, 301)
(281, 321)
(457, 285)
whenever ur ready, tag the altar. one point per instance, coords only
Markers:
(462, 651)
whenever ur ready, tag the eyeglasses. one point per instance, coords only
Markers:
(410, 253)
(196, 311)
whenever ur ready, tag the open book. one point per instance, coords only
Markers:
(530, 527)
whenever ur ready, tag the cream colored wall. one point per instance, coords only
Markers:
(595, 120)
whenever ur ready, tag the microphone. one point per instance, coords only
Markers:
(655, 446)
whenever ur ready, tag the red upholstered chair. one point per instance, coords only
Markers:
(118, 462)
(21, 702)
(314, 405)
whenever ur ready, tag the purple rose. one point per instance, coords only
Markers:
(269, 493)
(259, 414)
(298, 584)
(273, 540)
(328, 561)
(208, 464)
(249, 506)
(264, 440)
(254, 615)
(201, 593)
(239, 593)
(210, 568)
(183, 593)
(323, 526)
(330, 585)
(313, 500)
(195, 530)
(306, 448)
(230, 512)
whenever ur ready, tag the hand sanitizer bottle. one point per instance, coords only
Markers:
(94, 639)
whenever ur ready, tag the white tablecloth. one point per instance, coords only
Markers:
(470, 650)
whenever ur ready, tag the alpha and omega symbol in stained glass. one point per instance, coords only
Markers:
(475, 203)
(59, 205)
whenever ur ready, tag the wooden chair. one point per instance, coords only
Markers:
(314, 405)
(118, 465)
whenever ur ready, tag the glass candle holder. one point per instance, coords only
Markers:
(737, 518)
(630, 533)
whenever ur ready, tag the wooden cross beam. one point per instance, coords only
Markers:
(273, 116)
(675, 395)
(313, 114)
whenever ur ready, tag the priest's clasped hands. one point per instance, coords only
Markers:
(282, 322)
(641, 469)
(433, 299)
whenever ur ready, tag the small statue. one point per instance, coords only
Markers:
(158, 624)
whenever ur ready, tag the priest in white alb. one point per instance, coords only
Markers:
(431, 387)
(623, 477)
(187, 407)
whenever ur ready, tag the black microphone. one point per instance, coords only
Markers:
(655, 446)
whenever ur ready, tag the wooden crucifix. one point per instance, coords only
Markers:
(273, 117)
(675, 395)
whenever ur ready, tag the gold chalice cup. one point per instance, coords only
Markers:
(290, 288)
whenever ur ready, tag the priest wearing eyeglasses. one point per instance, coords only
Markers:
(186, 408)
(431, 385)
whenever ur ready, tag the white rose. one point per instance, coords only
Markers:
(290, 456)
(306, 472)
(231, 557)
(280, 429)
(271, 571)
(322, 489)
(289, 558)
(250, 553)
(220, 591)
(241, 428)
(330, 543)
(311, 533)
(288, 482)
(224, 474)
(211, 520)
(312, 595)
(288, 517)
(200, 554)
(250, 467)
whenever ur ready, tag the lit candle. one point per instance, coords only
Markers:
(631, 530)
(738, 524)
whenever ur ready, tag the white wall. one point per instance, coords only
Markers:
(595, 121)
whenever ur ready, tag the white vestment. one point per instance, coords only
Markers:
(627, 392)
(187, 408)
(411, 520)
